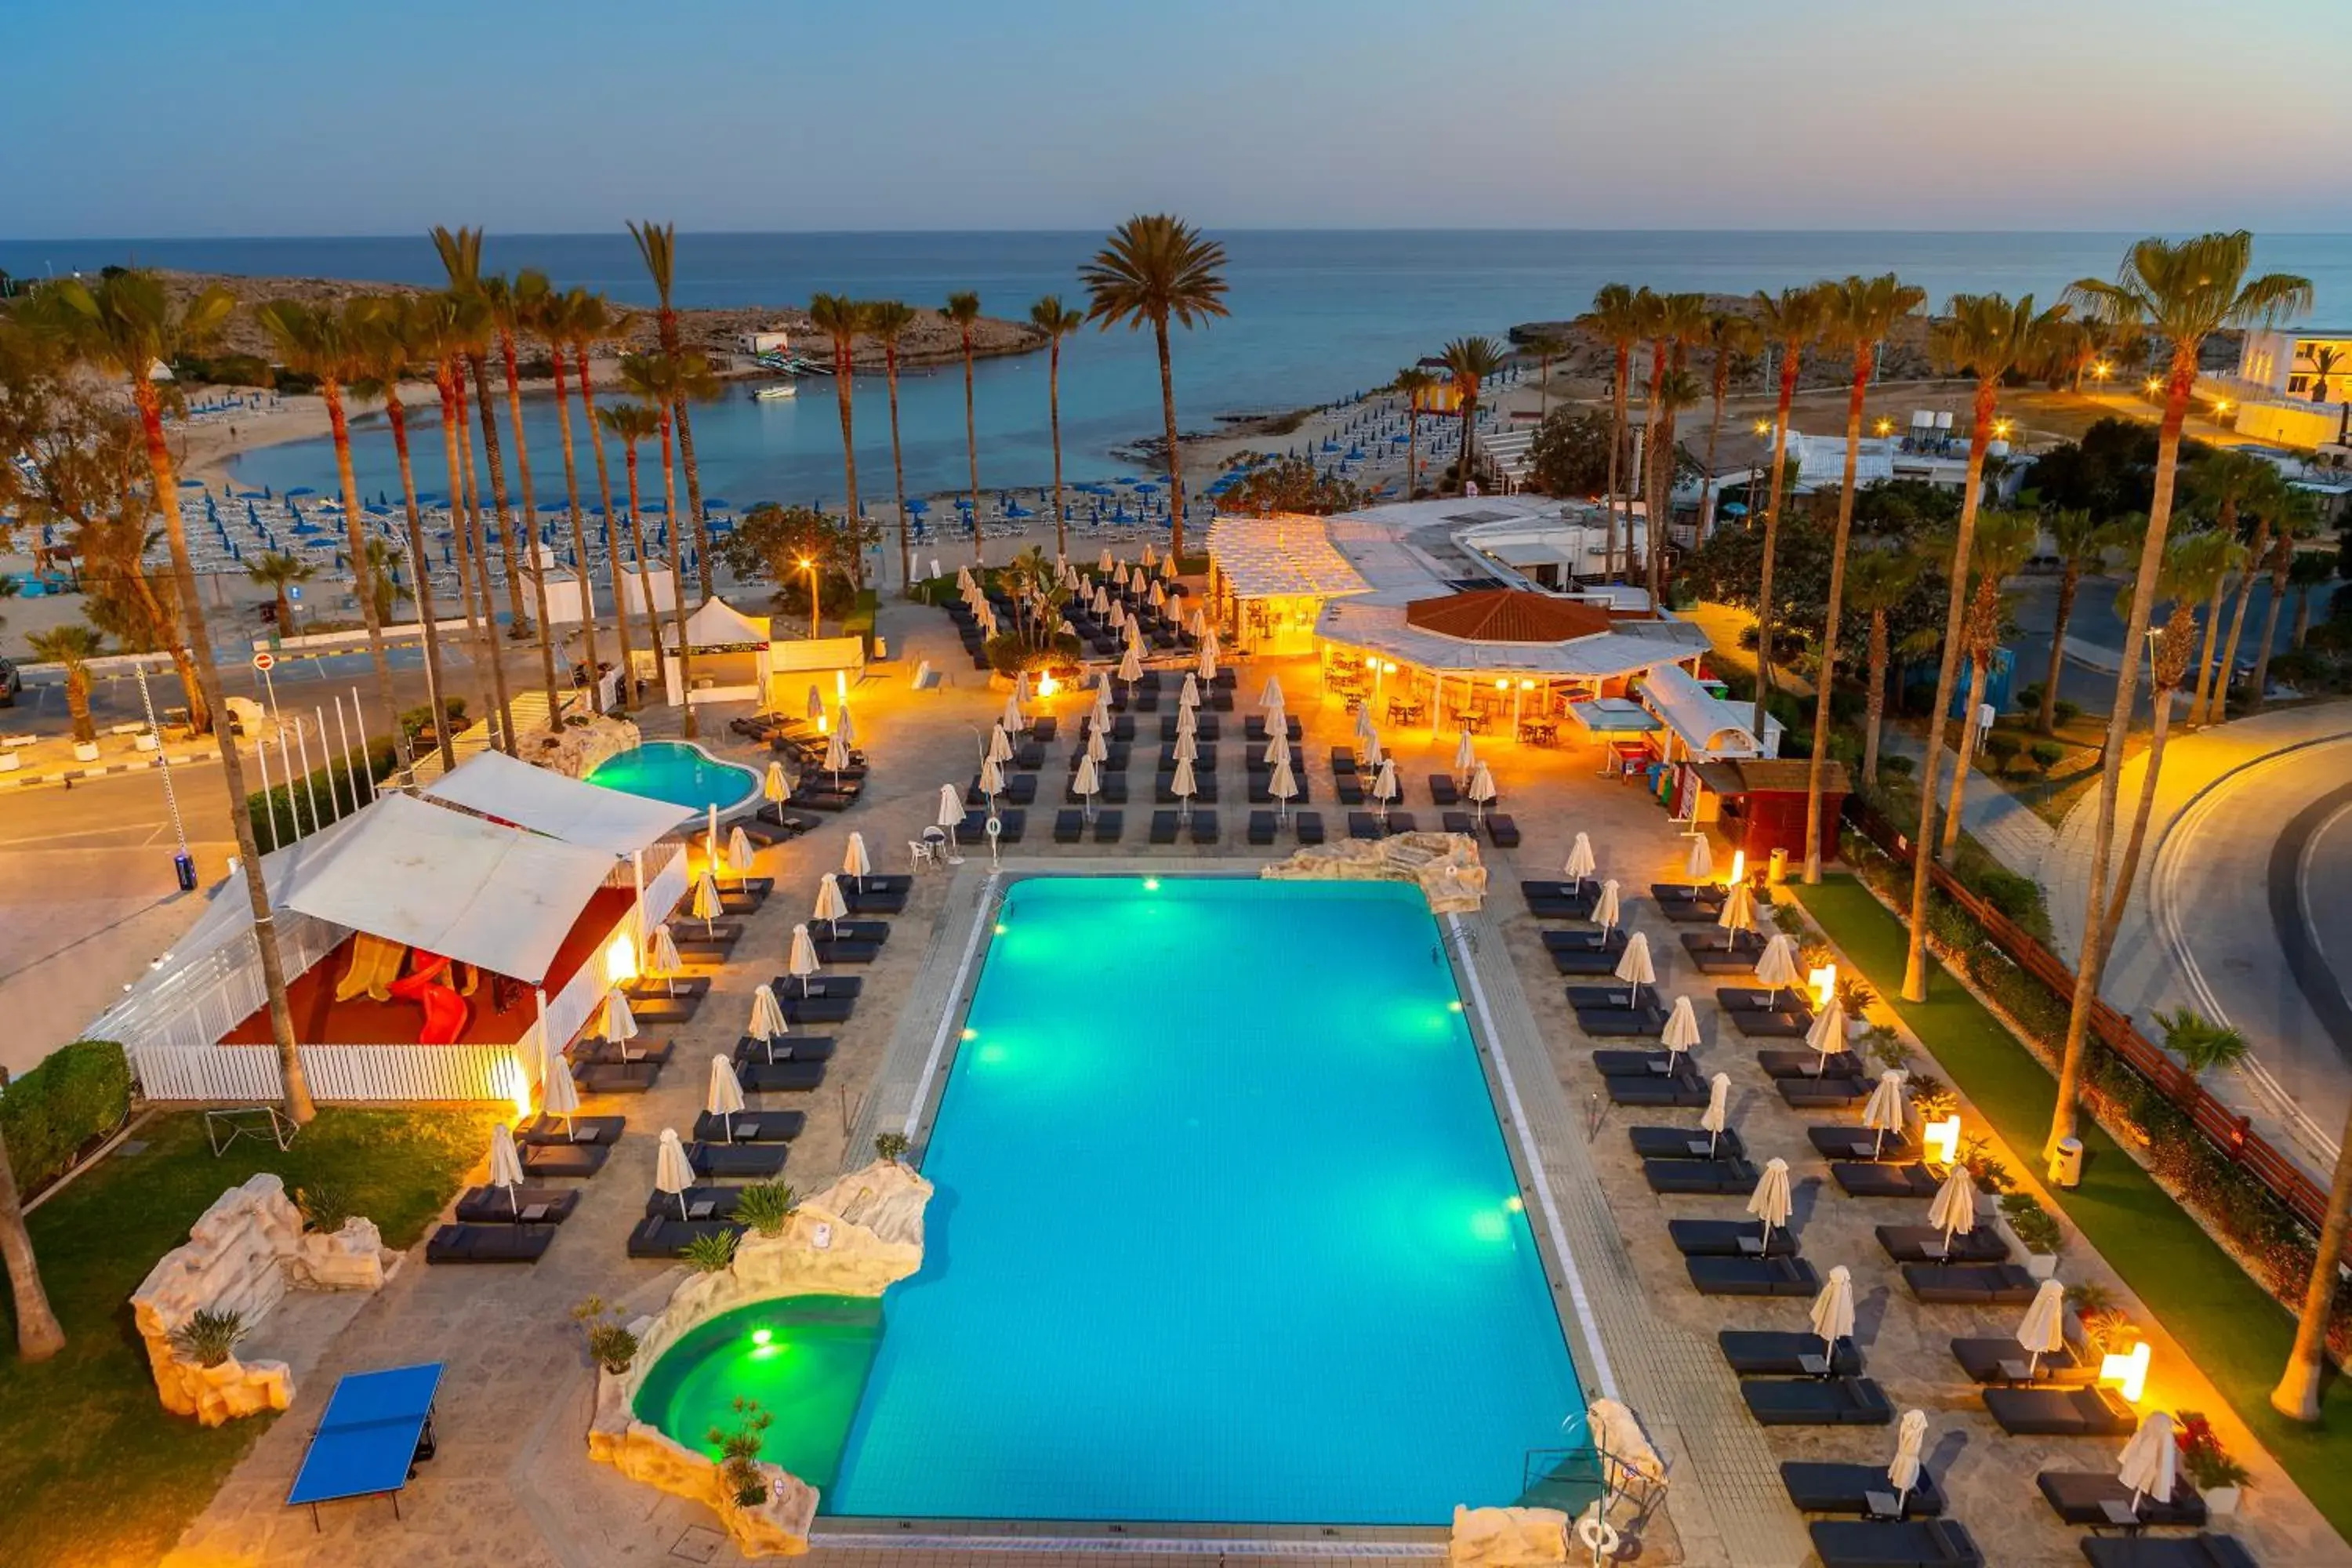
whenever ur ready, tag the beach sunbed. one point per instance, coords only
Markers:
(1709, 956)
(552, 1161)
(1786, 1352)
(1070, 825)
(754, 1160)
(2005, 1362)
(1925, 1244)
(1455, 822)
(1683, 902)
(880, 896)
(1811, 1094)
(1685, 1144)
(488, 1243)
(2059, 1411)
(1870, 1179)
(517, 1205)
(617, 1078)
(1610, 942)
(751, 1127)
(1261, 827)
(655, 1238)
(2097, 1498)
(1109, 825)
(1820, 1486)
(699, 1202)
(781, 1077)
(1203, 825)
(1909, 1543)
(1972, 1284)
(1808, 1064)
(1699, 1176)
(1816, 1401)
(1164, 825)
(1861, 1143)
(1308, 825)
(1677, 1090)
(1363, 825)
(1502, 829)
(1731, 1239)
(826, 1009)
(584, 1132)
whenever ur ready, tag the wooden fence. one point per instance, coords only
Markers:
(2225, 1129)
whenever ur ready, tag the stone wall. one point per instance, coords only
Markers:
(578, 748)
(1445, 866)
(1507, 1537)
(242, 1255)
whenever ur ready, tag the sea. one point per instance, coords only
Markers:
(1316, 317)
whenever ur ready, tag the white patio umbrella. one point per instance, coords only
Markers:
(1699, 864)
(1278, 746)
(1168, 567)
(672, 1173)
(964, 585)
(1209, 658)
(992, 780)
(724, 1096)
(558, 1095)
(856, 864)
(1107, 563)
(777, 788)
(1580, 862)
(1188, 722)
(1283, 785)
(1270, 694)
(1188, 747)
(1604, 907)
(663, 961)
(836, 755)
(1624, 1452)
(1097, 749)
(800, 961)
(1021, 687)
(1954, 1212)
(1088, 783)
(739, 853)
(1157, 598)
(1465, 754)
(830, 905)
(1117, 615)
(1100, 714)
(1717, 1118)
(1183, 786)
(999, 744)
(2146, 1466)
(2042, 1331)
(950, 816)
(1130, 666)
(1633, 965)
(1482, 788)
(1363, 722)
(1769, 1201)
(1776, 966)
(815, 708)
(1884, 1111)
(1370, 744)
(618, 1025)
(1832, 1312)
(1100, 600)
(1151, 556)
(767, 1019)
(1826, 1035)
(506, 1165)
(846, 727)
(1384, 786)
(1903, 1470)
(1199, 625)
(1188, 696)
(1738, 913)
(1681, 1032)
(1012, 719)
(707, 905)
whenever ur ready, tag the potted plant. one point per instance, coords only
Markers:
(612, 1346)
(208, 1338)
(1855, 998)
(2219, 1480)
(890, 1146)
(766, 1206)
(2033, 1230)
(739, 1451)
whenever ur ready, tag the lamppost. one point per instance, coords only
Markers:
(816, 621)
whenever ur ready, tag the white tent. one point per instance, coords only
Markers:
(719, 629)
(544, 801)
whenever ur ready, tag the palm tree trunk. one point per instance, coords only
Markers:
(1412, 453)
(2297, 1393)
(2128, 871)
(1714, 434)
(579, 528)
(1947, 672)
(494, 460)
(1469, 401)
(2209, 704)
(396, 416)
(2302, 613)
(841, 389)
(1862, 364)
(299, 1107)
(677, 573)
(78, 701)
(971, 444)
(898, 472)
(40, 1335)
(644, 587)
(1876, 710)
(285, 611)
(453, 423)
(1616, 448)
(611, 531)
(1175, 453)
(693, 500)
(530, 533)
(2284, 550)
(1053, 423)
(2070, 581)
(339, 426)
(487, 629)
(2238, 614)
(2180, 383)
(1963, 754)
(1771, 538)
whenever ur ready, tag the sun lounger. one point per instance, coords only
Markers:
(488, 1243)
(1400, 821)
(1681, 902)
(781, 1077)
(1925, 1244)
(667, 989)
(1585, 893)
(1770, 1023)
(1868, 1179)
(1699, 1176)
(1816, 1401)
(2004, 1362)
(788, 987)
(1735, 1239)
(1808, 1064)
(1973, 1284)
(668, 1237)
(1813, 1093)
(1618, 994)
(1308, 825)
(1758, 999)
(553, 1161)
(1253, 728)
(1909, 1544)
(830, 952)
(1585, 961)
(1678, 1091)
(517, 1205)
(1861, 1143)
(1010, 821)
(1455, 822)
(1349, 788)
(697, 1203)
(1816, 1487)
(624, 1053)
(822, 800)
(1343, 758)
(1204, 827)
(2059, 1411)
(1785, 1353)
(733, 1160)
(1502, 829)
(617, 1078)
(1718, 1276)
(582, 1131)
(1070, 825)
(1109, 825)
(1633, 1064)
(1363, 825)
(785, 817)
(1622, 1022)
(749, 1127)
(1685, 1144)
(2152, 1552)
(874, 931)
(875, 900)
(782, 1048)
(2087, 1497)
(1443, 791)
(1610, 942)
(654, 1007)
(1709, 956)
(1164, 826)
(1261, 827)
(877, 883)
(825, 1009)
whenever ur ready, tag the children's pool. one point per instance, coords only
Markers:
(687, 776)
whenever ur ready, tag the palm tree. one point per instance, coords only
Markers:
(631, 423)
(1546, 345)
(669, 384)
(2004, 542)
(1057, 321)
(841, 318)
(72, 647)
(40, 1335)
(1862, 311)
(278, 572)
(589, 319)
(125, 326)
(1728, 339)
(1986, 336)
(461, 257)
(383, 577)
(1650, 308)
(1414, 384)
(1675, 391)
(2182, 291)
(657, 247)
(1793, 319)
(326, 343)
(963, 310)
(2296, 1396)
(888, 320)
(2324, 360)
(1158, 269)
(1469, 361)
(2304, 574)
(1877, 580)
(388, 340)
(2081, 543)
(513, 309)
(2293, 522)
(1616, 315)
(2224, 487)
(551, 316)
(447, 324)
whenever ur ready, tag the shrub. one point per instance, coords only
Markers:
(1931, 1099)
(890, 1146)
(1950, 928)
(2045, 755)
(1990, 1172)
(1898, 764)
(287, 812)
(612, 1346)
(1886, 1048)
(1789, 919)
(208, 1338)
(739, 1451)
(1855, 995)
(324, 1206)
(1010, 653)
(766, 1206)
(2064, 711)
(417, 720)
(2028, 697)
(2034, 1225)
(2201, 1453)
(2000, 750)
(2105, 1326)
(2018, 898)
(711, 1253)
(80, 1092)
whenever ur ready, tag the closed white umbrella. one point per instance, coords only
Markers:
(1278, 747)
(1168, 567)
(1101, 600)
(1826, 1035)
(1681, 1032)
(830, 905)
(1700, 862)
(845, 726)
(949, 816)
(800, 960)
(992, 780)
(1363, 722)
(1884, 1111)
(1738, 913)
(1209, 658)
(1270, 694)
(724, 1097)
(1604, 908)
(1374, 754)
(506, 1165)
(856, 864)
(1021, 687)
(1012, 719)
(1097, 749)
(999, 744)
(1188, 722)
(1283, 785)
(1199, 624)
(1624, 1452)
(1118, 615)
(665, 960)
(1580, 863)
(1482, 788)
(1088, 783)
(707, 905)
(672, 1173)
(1188, 749)
(1151, 556)
(558, 1095)
(1633, 965)
(1384, 786)
(2146, 1466)
(1954, 1212)
(777, 789)
(1769, 1201)
(1188, 696)
(1776, 966)
(1157, 596)
(2042, 1331)
(767, 1019)
(618, 1026)
(836, 755)
(1130, 666)
(1833, 1313)
(739, 853)
(1101, 715)
(1465, 753)
(1716, 1119)
(1106, 563)
(1903, 1470)
(964, 585)
(815, 705)
(1183, 786)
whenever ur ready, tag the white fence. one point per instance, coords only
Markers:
(194, 1001)
(251, 1073)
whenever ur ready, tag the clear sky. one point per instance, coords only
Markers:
(161, 118)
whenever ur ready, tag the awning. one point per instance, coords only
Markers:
(1280, 557)
(494, 897)
(1609, 716)
(1709, 727)
(589, 816)
(718, 623)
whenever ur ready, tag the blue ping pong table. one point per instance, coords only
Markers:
(377, 1426)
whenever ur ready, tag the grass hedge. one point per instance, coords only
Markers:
(283, 812)
(81, 1091)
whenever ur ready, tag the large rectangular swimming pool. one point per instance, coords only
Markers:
(1225, 1228)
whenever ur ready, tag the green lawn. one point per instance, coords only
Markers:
(2237, 1335)
(93, 1471)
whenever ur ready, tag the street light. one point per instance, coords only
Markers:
(2103, 369)
(815, 623)
(2000, 429)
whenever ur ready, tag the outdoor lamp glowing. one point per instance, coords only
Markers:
(1047, 686)
(621, 960)
(1502, 683)
(1824, 983)
(762, 1336)
(1388, 668)
(2155, 384)
(2127, 1371)
(1941, 1140)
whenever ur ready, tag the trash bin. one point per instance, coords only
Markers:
(2067, 1163)
(185, 866)
(1777, 872)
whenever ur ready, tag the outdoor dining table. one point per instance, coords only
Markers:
(377, 1427)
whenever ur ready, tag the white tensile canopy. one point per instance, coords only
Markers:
(544, 801)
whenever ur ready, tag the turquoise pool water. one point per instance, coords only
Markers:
(1226, 1231)
(676, 773)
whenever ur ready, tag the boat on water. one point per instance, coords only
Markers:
(777, 389)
